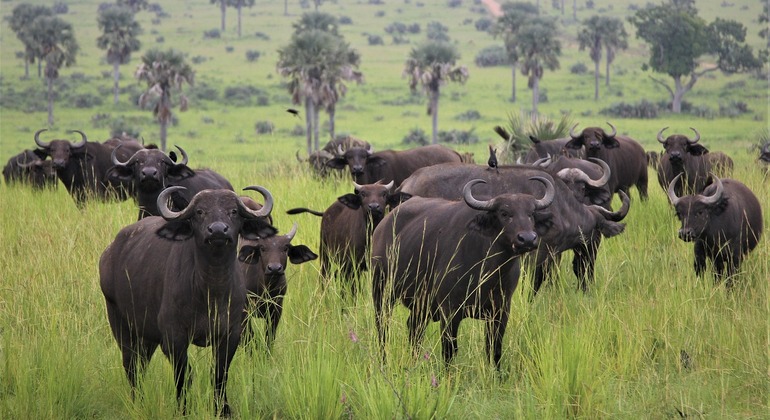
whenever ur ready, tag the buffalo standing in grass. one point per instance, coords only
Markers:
(587, 179)
(82, 166)
(317, 159)
(368, 167)
(625, 156)
(574, 225)
(764, 156)
(540, 148)
(27, 168)
(684, 156)
(175, 280)
(449, 260)
(149, 171)
(346, 229)
(724, 221)
(263, 262)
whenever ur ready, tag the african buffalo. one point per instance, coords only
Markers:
(721, 164)
(449, 260)
(575, 226)
(27, 168)
(263, 262)
(541, 148)
(317, 159)
(149, 171)
(653, 159)
(587, 179)
(368, 167)
(626, 157)
(724, 221)
(764, 156)
(82, 166)
(687, 157)
(346, 229)
(174, 280)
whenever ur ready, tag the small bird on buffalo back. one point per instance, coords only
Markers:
(492, 161)
(293, 111)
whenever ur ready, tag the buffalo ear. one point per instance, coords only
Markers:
(248, 254)
(258, 228)
(172, 156)
(375, 161)
(394, 200)
(337, 163)
(120, 174)
(697, 150)
(610, 143)
(575, 144)
(534, 139)
(180, 172)
(543, 221)
(41, 153)
(175, 231)
(300, 253)
(485, 223)
(352, 201)
(609, 228)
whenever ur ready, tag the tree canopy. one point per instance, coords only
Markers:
(21, 23)
(119, 38)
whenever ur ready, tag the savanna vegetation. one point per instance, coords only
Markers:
(649, 339)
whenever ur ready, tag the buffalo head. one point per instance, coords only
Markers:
(593, 138)
(149, 169)
(695, 211)
(764, 153)
(372, 198)
(356, 158)
(272, 253)
(517, 219)
(60, 151)
(678, 146)
(38, 171)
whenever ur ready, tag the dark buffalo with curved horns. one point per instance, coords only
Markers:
(683, 156)
(82, 166)
(368, 167)
(263, 262)
(174, 280)
(624, 155)
(574, 226)
(724, 222)
(587, 179)
(149, 171)
(27, 168)
(764, 155)
(448, 260)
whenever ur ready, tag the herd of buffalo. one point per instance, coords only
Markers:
(440, 234)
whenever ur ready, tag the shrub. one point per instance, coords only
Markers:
(413, 28)
(458, 137)
(379, 13)
(160, 39)
(416, 136)
(483, 24)
(521, 126)
(263, 36)
(60, 8)
(375, 40)
(198, 59)
(252, 55)
(396, 28)
(492, 56)
(244, 95)
(643, 109)
(85, 100)
(100, 120)
(470, 115)
(202, 91)
(229, 48)
(212, 34)
(264, 127)
(127, 125)
(578, 68)
(437, 31)
(454, 3)
(345, 20)
(733, 109)
(298, 130)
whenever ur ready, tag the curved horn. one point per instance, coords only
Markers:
(661, 140)
(389, 185)
(614, 130)
(169, 214)
(713, 198)
(339, 150)
(472, 202)
(766, 147)
(542, 161)
(550, 192)
(369, 150)
(83, 139)
(697, 136)
(292, 232)
(266, 208)
(572, 132)
(298, 158)
(185, 158)
(25, 165)
(357, 186)
(606, 172)
(617, 215)
(671, 193)
(114, 157)
(41, 144)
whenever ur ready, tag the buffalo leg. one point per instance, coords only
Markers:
(177, 353)
(416, 323)
(544, 263)
(641, 185)
(136, 351)
(449, 329)
(583, 263)
(223, 355)
(273, 318)
(700, 258)
(381, 313)
(495, 332)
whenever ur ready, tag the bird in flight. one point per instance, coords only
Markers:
(293, 111)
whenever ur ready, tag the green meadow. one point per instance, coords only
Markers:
(648, 340)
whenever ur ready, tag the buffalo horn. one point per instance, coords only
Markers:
(472, 202)
(389, 185)
(357, 187)
(572, 132)
(550, 193)
(671, 193)
(766, 147)
(369, 150)
(114, 157)
(697, 136)
(614, 130)
(82, 141)
(661, 140)
(169, 214)
(544, 162)
(266, 208)
(713, 198)
(25, 165)
(617, 215)
(606, 172)
(298, 158)
(185, 159)
(41, 144)
(292, 232)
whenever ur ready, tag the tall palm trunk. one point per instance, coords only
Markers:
(596, 80)
(434, 114)
(240, 6)
(332, 114)
(286, 7)
(535, 97)
(116, 78)
(607, 76)
(164, 116)
(26, 69)
(513, 82)
(309, 125)
(222, 6)
(316, 129)
(50, 101)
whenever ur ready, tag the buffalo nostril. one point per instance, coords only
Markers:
(526, 238)
(274, 268)
(218, 227)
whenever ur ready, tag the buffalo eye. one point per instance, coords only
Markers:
(199, 212)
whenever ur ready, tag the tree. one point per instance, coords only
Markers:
(538, 49)
(119, 38)
(764, 17)
(679, 38)
(222, 6)
(507, 27)
(134, 5)
(317, 20)
(239, 5)
(431, 65)
(21, 21)
(164, 72)
(55, 41)
(600, 33)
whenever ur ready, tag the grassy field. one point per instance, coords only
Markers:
(649, 340)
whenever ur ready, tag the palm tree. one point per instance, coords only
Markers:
(431, 65)
(222, 6)
(20, 21)
(239, 5)
(591, 36)
(163, 72)
(341, 66)
(615, 38)
(539, 49)
(507, 27)
(56, 45)
(119, 38)
(134, 5)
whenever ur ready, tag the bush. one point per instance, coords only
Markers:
(85, 100)
(244, 95)
(470, 115)
(298, 130)
(100, 120)
(264, 127)
(437, 31)
(229, 48)
(492, 56)
(212, 34)
(643, 109)
(198, 59)
(202, 91)
(60, 8)
(375, 40)
(263, 36)
(578, 68)
(733, 109)
(252, 55)
(160, 39)
(521, 126)
(458, 137)
(345, 20)
(454, 3)
(396, 28)
(416, 136)
(483, 24)
(127, 125)
(379, 13)
(414, 28)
